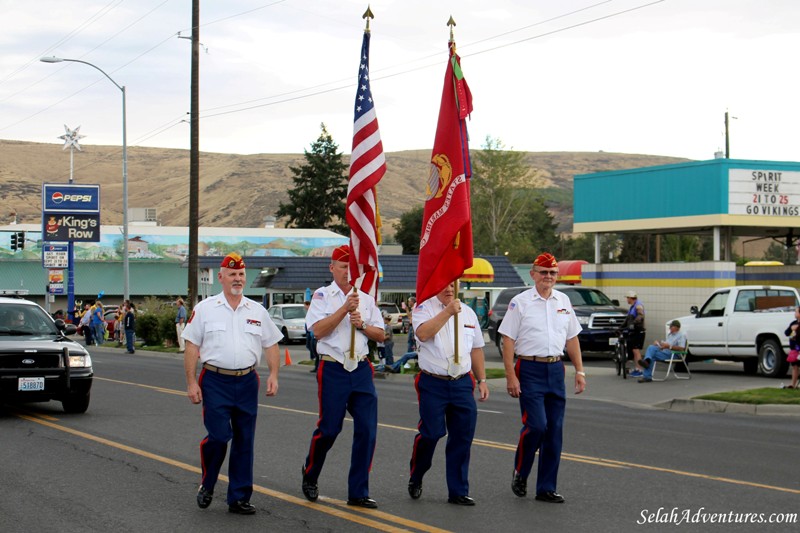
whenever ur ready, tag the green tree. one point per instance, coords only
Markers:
(582, 247)
(501, 188)
(409, 229)
(535, 232)
(777, 252)
(320, 189)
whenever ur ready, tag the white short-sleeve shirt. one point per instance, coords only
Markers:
(326, 301)
(540, 326)
(434, 352)
(230, 338)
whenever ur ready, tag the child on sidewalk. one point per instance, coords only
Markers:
(794, 348)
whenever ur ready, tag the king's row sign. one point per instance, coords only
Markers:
(70, 213)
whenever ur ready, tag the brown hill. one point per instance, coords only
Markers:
(241, 190)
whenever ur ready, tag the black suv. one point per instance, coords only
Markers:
(38, 362)
(599, 316)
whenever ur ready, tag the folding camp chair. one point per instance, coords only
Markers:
(676, 356)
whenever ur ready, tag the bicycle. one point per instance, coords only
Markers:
(621, 354)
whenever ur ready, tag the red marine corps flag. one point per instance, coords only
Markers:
(445, 248)
(367, 167)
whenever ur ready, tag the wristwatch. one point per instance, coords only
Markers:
(479, 381)
(363, 326)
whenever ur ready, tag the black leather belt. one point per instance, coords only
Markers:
(446, 378)
(226, 372)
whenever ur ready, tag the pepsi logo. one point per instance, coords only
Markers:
(57, 197)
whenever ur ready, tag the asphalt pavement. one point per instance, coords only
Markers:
(604, 385)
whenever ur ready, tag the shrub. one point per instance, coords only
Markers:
(155, 322)
(147, 329)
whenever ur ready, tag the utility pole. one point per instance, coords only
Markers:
(727, 138)
(194, 155)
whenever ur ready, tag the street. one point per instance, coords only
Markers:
(131, 463)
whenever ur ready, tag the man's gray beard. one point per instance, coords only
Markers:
(236, 292)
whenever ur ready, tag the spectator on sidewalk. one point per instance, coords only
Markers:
(662, 350)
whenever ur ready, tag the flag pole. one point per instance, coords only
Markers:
(367, 15)
(353, 335)
(456, 356)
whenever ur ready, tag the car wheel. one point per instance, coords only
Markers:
(285, 333)
(771, 360)
(76, 403)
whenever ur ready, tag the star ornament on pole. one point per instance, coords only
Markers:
(71, 138)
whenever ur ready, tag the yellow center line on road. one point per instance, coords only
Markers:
(345, 513)
(597, 461)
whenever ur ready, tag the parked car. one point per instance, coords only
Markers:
(599, 316)
(291, 320)
(747, 324)
(38, 363)
(394, 312)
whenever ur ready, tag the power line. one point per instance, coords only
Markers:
(85, 24)
(350, 84)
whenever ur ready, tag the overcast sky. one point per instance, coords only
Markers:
(633, 76)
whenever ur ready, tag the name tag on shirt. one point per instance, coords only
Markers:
(562, 312)
(253, 322)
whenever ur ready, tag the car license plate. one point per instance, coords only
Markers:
(612, 341)
(31, 384)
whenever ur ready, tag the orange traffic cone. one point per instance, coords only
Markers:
(287, 360)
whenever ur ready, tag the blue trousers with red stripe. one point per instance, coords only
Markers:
(542, 402)
(340, 391)
(445, 408)
(230, 406)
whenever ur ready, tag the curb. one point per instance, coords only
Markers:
(712, 406)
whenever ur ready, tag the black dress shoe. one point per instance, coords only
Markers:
(461, 500)
(365, 502)
(550, 497)
(415, 489)
(241, 507)
(519, 486)
(310, 489)
(204, 497)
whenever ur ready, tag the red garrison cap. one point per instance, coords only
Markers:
(341, 253)
(546, 260)
(233, 260)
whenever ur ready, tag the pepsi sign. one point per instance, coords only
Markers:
(66, 198)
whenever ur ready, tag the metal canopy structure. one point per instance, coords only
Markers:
(726, 198)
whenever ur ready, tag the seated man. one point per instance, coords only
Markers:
(395, 368)
(662, 350)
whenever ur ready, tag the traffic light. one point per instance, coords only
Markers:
(20, 240)
(14, 241)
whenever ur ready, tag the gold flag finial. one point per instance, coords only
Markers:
(367, 15)
(452, 24)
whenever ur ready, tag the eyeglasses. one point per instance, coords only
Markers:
(553, 273)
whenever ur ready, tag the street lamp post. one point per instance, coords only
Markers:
(125, 270)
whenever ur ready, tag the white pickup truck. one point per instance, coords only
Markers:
(745, 323)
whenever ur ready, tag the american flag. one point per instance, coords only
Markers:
(367, 167)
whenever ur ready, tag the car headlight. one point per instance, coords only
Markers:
(80, 361)
(583, 320)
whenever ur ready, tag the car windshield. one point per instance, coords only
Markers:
(578, 297)
(294, 312)
(20, 319)
(389, 308)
